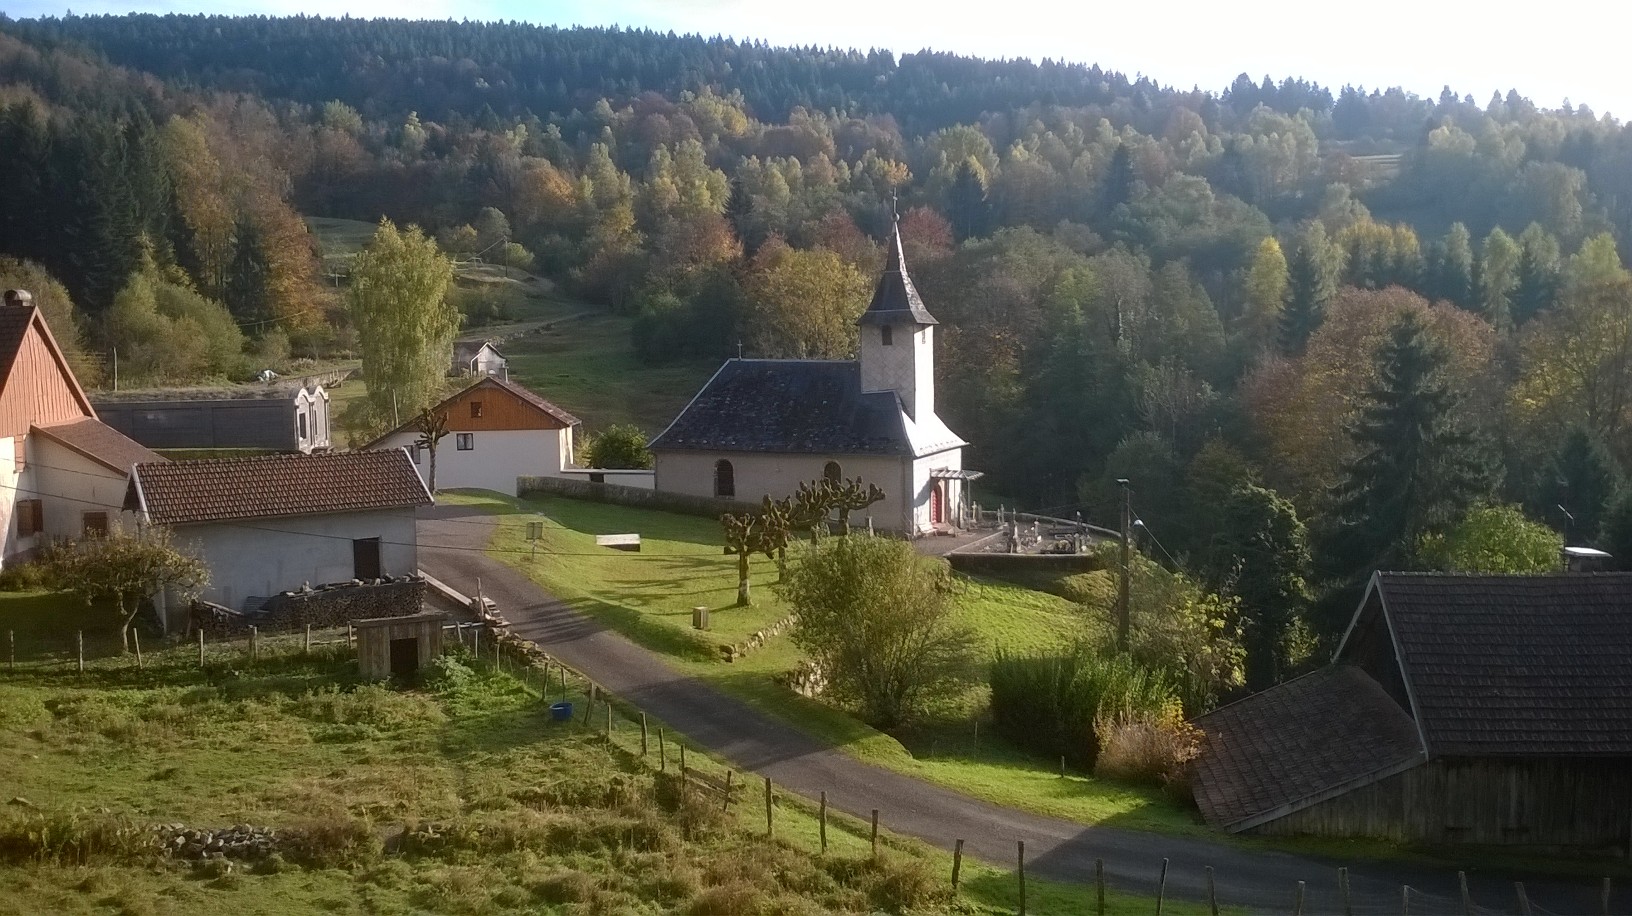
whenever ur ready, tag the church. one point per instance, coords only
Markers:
(761, 427)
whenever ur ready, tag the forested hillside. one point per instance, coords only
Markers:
(1340, 328)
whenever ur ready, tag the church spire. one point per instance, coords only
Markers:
(895, 299)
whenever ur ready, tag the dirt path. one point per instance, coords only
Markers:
(452, 537)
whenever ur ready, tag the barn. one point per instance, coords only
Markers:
(1490, 710)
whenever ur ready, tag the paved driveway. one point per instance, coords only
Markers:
(452, 537)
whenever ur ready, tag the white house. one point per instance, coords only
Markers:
(760, 427)
(478, 357)
(498, 431)
(62, 470)
(269, 524)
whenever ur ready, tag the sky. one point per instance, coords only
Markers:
(1549, 52)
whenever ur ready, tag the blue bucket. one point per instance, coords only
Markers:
(561, 712)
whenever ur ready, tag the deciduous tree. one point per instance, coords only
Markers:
(399, 305)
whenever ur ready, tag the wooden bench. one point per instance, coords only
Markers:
(630, 542)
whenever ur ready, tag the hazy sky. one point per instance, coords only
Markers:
(1548, 51)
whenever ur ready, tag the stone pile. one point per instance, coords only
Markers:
(240, 841)
(806, 679)
(757, 639)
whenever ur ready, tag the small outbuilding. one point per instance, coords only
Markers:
(1489, 710)
(398, 646)
(478, 358)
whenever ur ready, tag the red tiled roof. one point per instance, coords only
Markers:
(100, 443)
(274, 486)
(1282, 748)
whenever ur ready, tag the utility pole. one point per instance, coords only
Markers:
(1127, 560)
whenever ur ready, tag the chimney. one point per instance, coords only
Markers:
(18, 297)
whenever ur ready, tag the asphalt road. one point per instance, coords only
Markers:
(451, 538)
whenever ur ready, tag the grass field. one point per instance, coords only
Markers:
(648, 596)
(458, 797)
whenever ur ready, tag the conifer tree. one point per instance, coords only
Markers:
(1417, 467)
(1581, 480)
(1309, 284)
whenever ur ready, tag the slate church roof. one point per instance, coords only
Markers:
(789, 405)
(1489, 666)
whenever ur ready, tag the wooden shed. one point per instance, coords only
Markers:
(398, 646)
(1490, 710)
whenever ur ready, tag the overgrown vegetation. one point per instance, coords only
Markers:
(1061, 705)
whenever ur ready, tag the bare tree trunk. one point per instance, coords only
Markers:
(433, 469)
(742, 579)
(781, 564)
(124, 630)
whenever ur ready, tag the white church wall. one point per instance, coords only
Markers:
(759, 475)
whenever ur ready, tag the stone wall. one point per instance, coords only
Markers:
(705, 506)
(324, 606)
(996, 564)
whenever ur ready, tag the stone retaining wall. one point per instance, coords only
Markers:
(638, 498)
(996, 564)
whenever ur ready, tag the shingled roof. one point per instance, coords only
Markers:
(789, 405)
(101, 443)
(1298, 743)
(274, 486)
(1513, 665)
(895, 299)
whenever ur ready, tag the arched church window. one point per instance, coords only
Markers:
(725, 479)
(832, 472)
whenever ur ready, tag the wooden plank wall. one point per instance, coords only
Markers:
(1549, 803)
(501, 410)
(374, 644)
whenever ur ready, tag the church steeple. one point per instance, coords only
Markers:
(897, 338)
(895, 299)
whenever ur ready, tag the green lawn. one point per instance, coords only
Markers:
(648, 596)
(530, 815)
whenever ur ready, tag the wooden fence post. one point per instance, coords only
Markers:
(1603, 896)
(351, 634)
(682, 761)
(1212, 892)
(200, 647)
(875, 833)
(643, 734)
(563, 682)
(609, 720)
(1099, 886)
(1467, 901)
(662, 753)
(1343, 888)
(957, 864)
(137, 635)
(770, 826)
(79, 640)
(308, 649)
(475, 641)
(1020, 869)
(1161, 888)
(1405, 900)
(1297, 902)
(1524, 899)
(254, 642)
(822, 823)
(589, 704)
(726, 805)
(11, 643)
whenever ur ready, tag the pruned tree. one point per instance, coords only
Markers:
(128, 569)
(852, 496)
(745, 536)
(809, 506)
(776, 529)
(433, 428)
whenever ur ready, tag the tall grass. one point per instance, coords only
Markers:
(1057, 704)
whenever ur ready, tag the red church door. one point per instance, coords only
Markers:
(937, 503)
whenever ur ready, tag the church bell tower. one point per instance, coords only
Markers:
(898, 338)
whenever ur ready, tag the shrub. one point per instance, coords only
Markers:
(74, 838)
(331, 843)
(1053, 704)
(1154, 750)
(447, 674)
(24, 577)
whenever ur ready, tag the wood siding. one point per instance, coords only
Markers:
(38, 391)
(501, 410)
(1541, 803)
(374, 642)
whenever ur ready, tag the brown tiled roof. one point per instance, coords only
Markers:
(1283, 748)
(273, 486)
(1517, 665)
(526, 396)
(100, 443)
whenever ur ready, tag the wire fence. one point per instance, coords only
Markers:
(98, 656)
